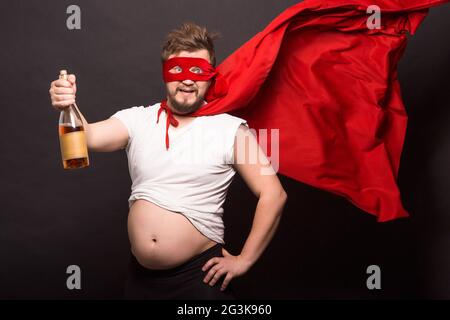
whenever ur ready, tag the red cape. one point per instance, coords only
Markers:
(329, 84)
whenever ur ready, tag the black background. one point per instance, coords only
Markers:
(51, 218)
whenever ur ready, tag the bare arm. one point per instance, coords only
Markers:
(271, 201)
(102, 136)
(266, 187)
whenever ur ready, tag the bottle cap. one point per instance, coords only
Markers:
(63, 74)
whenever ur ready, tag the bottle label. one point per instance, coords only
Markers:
(73, 145)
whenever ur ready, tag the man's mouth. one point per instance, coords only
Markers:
(186, 91)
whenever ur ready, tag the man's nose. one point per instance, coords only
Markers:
(188, 82)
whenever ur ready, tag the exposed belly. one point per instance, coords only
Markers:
(161, 239)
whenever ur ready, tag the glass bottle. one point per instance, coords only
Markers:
(72, 138)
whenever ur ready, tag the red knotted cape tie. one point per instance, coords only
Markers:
(170, 120)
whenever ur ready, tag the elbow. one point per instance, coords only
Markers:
(280, 200)
(283, 196)
(278, 195)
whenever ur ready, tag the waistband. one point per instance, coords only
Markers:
(192, 265)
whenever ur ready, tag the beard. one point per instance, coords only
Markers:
(185, 107)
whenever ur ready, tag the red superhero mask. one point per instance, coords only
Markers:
(195, 69)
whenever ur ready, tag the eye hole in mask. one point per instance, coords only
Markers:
(196, 70)
(178, 69)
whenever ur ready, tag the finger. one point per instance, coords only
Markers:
(61, 90)
(62, 105)
(210, 263)
(225, 252)
(226, 281)
(211, 273)
(62, 83)
(216, 277)
(63, 97)
(71, 78)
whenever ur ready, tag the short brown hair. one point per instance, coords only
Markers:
(189, 37)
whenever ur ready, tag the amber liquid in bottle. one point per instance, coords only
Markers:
(72, 138)
(73, 163)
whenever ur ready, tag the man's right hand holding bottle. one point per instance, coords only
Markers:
(103, 136)
(62, 92)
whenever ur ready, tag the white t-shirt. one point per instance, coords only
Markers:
(191, 177)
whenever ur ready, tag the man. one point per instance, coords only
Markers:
(181, 167)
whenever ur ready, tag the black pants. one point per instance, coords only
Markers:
(182, 282)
